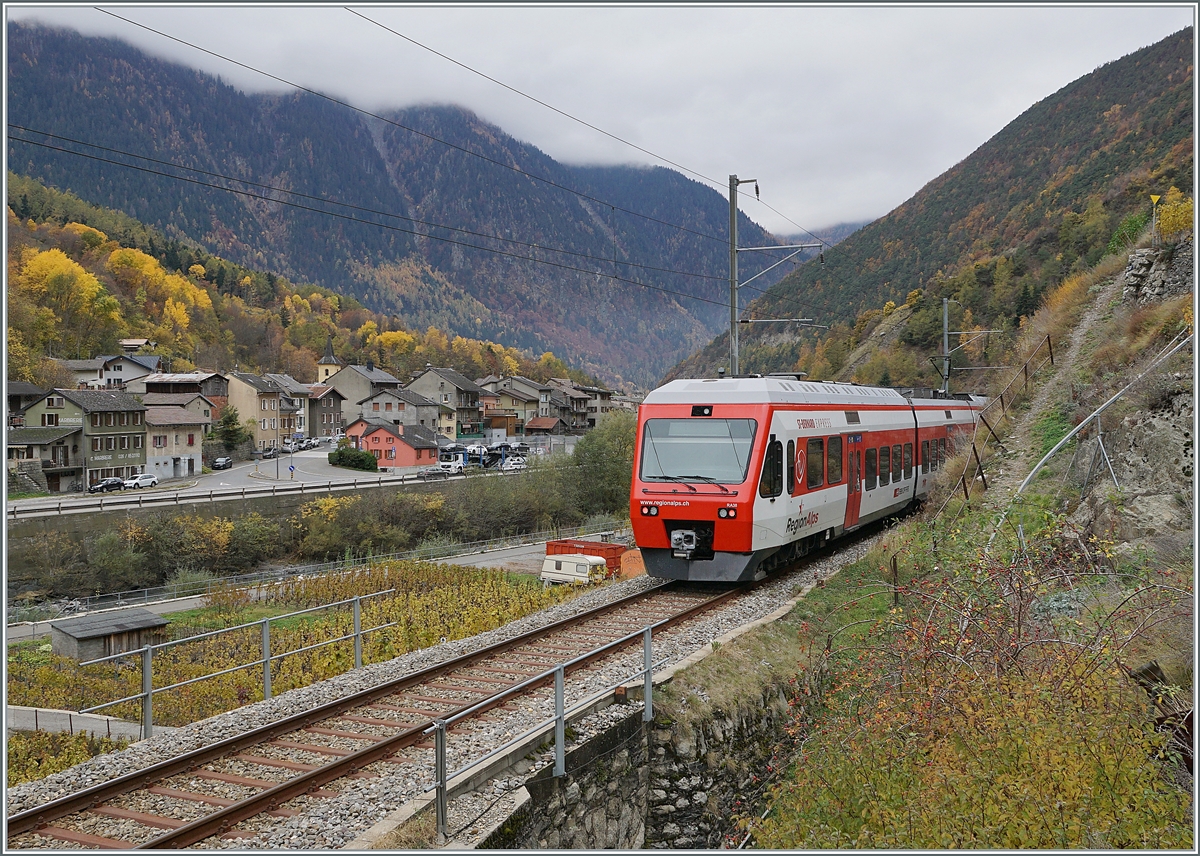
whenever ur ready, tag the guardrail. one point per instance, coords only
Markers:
(442, 778)
(200, 588)
(147, 656)
(104, 502)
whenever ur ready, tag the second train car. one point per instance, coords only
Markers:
(733, 477)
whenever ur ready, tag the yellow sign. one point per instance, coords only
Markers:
(1154, 198)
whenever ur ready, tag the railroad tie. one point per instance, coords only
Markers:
(154, 820)
(83, 838)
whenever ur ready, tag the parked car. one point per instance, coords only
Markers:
(270, 453)
(433, 473)
(105, 485)
(222, 463)
(142, 480)
(310, 443)
(521, 448)
(476, 449)
(514, 464)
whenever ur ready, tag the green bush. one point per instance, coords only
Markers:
(354, 459)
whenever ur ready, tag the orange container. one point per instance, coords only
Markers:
(611, 553)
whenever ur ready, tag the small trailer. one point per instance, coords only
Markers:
(573, 569)
(609, 551)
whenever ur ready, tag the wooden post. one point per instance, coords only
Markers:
(963, 482)
(895, 583)
(979, 464)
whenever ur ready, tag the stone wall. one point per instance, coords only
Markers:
(659, 785)
(1158, 273)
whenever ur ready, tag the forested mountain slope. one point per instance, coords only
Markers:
(1065, 182)
(389, 250)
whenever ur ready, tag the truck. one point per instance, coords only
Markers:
(452, 466)
(573, 569)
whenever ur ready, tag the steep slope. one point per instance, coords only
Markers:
(402, 183)
(1039, 200)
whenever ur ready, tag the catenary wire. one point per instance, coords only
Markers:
(717, 183)
(309, 208)
(353, 207)
(396, 124)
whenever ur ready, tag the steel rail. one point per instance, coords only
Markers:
(226, 818)
(31, 819)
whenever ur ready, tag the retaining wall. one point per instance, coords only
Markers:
(653, 785)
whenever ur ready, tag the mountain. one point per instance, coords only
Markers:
(1060, 186)
(396, 183)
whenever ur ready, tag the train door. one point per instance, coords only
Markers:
(853, 478)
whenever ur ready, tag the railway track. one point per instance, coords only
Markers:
(239, 787)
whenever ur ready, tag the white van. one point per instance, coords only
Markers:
(573, 568)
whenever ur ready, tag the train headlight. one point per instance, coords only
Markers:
(654, 511)
(650, 510)
(726, 512)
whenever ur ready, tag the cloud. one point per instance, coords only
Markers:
(841, 113)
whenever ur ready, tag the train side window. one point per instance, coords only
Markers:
(924, 456)
(896, 463)
(834, 462)
(871, 473)
(908, 447)
(791, 467)
(771, 483)
(942, 452)
(885, 464)
(816, 462)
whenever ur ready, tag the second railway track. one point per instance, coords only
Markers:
(271, 785)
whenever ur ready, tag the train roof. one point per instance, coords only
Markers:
(783, 390)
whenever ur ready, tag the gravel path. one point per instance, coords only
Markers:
(361, 803)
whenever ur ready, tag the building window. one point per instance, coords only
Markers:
(272, 424)
(263, 402)
(108, 419)
(206, 414)
(97, 442)
(95, 420)
(124, 441)
(54, 401)
(264, 425)
(137, 441)
(123, 419)
(391, 453)
(137, 417)
(191, 439)
(272, 404)
(50, 420)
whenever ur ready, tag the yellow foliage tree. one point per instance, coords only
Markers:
(1175, 214)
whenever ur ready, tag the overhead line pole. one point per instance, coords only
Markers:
(734, 181)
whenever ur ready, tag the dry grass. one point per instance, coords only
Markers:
(419, 832)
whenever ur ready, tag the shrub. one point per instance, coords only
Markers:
(353, 459)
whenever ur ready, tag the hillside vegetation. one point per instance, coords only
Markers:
(82, 277)
(378, 199)
(1062, 185)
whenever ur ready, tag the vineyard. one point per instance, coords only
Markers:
(430, 603)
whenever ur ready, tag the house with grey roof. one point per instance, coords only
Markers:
(88, 374)
(324, 411)
(18, 396)
(113, 428)
(401, 407)
(446, 386)
(121, 370)
(276, 403)
(174, 441)
(358, 382)
(46, 459)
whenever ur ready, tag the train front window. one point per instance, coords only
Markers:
(716, 450)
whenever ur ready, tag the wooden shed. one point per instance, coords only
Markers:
(90, 637)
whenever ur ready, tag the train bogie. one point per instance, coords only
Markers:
(734, 477)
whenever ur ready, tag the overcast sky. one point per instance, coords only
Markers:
(840, 113)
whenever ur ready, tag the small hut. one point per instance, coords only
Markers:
(100, 634)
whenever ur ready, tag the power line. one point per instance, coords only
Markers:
(396, 124)
(353, 207)
(567, 115)
(531, 98)
(297, 205)
(564, 113)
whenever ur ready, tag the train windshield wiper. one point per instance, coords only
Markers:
(706, 480)
(681, 479)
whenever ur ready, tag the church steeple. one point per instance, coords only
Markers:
(329, 364)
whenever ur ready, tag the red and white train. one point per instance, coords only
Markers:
(736, 476)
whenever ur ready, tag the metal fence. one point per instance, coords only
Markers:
(203, 587)
(146, 654)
